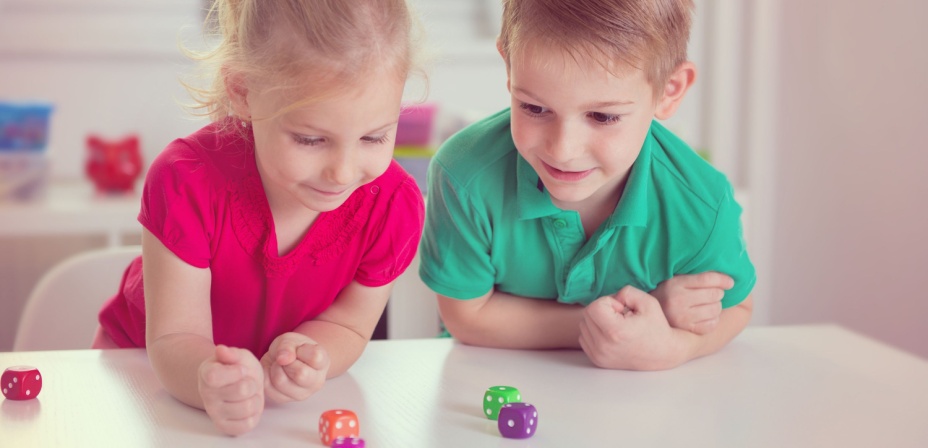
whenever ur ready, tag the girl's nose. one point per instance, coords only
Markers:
(342, 167)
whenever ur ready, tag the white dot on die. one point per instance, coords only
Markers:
(489, 411)
(338, 412)
(352, 423)
(500, 399)
(531, 421)
(519, 397)
(28, 392)
(4, 390)
(489, 398)
(338, 425)
(535, 414)
(511, 423)
(10, 385)
(37, 377)
(502, 388)
(15, 380)
(528, 430)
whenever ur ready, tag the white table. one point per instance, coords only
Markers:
(815, 386)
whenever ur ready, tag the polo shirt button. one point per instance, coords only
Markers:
(560, 223)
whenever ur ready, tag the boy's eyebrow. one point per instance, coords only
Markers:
(595, 105)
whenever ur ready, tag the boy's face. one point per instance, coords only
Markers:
(580, 127)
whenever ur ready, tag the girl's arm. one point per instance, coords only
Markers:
(225, 382)
(506, 321)
(344, 329)
(179, 330)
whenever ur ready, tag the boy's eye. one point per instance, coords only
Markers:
(532, 109)
(602, 118)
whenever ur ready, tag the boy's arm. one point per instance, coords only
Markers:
(506, 321)
(629, 331)
(731, 322)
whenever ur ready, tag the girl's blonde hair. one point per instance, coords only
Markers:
(649, 35)
(300, 44)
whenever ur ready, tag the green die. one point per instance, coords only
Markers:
(496, 396)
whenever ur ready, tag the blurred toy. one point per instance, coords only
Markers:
(113, 166)
(24, 165)
(21, 382)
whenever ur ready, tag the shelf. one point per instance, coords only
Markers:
(72, 208)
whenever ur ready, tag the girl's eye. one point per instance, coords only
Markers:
(308, 141)
(375, 140)
(532, 109)
(602, 118)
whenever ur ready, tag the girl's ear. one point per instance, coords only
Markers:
(237, 90)
(676, 87)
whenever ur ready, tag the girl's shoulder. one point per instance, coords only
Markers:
(211, 155)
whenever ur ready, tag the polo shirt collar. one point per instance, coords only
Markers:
(535, 202)
(632, 210)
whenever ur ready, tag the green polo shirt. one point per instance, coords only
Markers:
(491, 224)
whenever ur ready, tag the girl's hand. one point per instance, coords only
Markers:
(693, 302)
(231, 385)
(629, 331)
(295, 367)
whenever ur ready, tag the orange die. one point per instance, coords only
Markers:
(338, 423)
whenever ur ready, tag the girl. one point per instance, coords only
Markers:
(273, 235)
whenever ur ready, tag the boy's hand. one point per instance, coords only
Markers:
(693, 302)
(295, 367)
(231, 386)
(629, 331)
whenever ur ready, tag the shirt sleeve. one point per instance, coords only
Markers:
(395, 245)
(455, 248)
(176, 203)
(725, 251)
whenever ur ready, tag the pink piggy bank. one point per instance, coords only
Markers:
(113, 166)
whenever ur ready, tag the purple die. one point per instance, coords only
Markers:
(517, 420)
(348, 442)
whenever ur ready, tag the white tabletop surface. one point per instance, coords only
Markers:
(808, 386)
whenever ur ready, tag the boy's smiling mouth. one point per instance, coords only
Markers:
(566, 176)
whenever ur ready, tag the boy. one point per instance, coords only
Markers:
(547, 222)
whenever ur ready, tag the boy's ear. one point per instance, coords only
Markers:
(499, 48)
(237, 90)
(676, 87)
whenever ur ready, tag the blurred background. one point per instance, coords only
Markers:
(812, 109)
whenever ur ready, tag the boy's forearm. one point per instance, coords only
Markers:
(508, 321)
(176, 359)
(731, 322)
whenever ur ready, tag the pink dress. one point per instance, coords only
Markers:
(203, 199)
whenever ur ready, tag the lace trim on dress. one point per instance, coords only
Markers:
(325, 241)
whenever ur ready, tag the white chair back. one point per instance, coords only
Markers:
(61, 312)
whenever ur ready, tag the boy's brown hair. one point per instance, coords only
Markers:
(649, 35)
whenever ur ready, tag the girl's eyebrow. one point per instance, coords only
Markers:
(595, 105)
(314, 129)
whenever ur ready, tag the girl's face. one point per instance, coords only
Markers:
(580, 127)
(313, 157)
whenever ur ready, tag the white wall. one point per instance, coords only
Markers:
(852, 178)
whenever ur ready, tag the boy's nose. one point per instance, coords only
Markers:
(564, 143)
